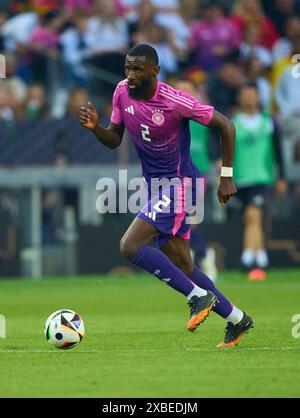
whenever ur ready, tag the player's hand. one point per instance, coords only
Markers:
(226, 190)
(88, 116)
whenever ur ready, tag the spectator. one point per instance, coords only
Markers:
(74, 47)
(8, 104)
(279, 11)
(35, 105)
(17, 31)
(283, 64)
(145, 17)
(213, 38)
(107, 39)
(287, 100)
(177, 21)
(106, 32)
(258, 142)
(76, 99)
(250, 12)
(174, 24)
(13, 81)
(223, 87)
(44, 44)
(189, 11)
(157, 37)
(283, 47)
(46, 36)
(199, 81)
(255, 75)
(250, 47)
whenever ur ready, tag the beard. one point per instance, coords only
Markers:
(139, 91)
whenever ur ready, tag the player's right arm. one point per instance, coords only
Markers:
(111, 137)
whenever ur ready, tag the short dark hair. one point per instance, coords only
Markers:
(144, 50)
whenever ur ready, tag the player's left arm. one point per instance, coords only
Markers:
(189, 107)
(226, 129)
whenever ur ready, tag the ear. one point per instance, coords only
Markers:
(156, 70)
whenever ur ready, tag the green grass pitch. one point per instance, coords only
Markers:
(136, 343)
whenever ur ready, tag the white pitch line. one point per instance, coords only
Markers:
(151, 350)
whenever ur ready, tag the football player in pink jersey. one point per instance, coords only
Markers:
(157, 119)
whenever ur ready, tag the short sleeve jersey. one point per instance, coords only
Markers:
(159, 128)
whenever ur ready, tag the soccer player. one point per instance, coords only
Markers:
(157, 118)
(257, 142)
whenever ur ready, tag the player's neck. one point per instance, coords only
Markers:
(150, 91)
(251, 111)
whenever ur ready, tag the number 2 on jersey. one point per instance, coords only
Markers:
(145, 132)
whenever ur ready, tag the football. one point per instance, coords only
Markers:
(64, 329)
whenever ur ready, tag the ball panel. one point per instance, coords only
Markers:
(54, 314)
(67, 345)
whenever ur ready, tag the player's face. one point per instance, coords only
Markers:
(140, 75)
(249, 97)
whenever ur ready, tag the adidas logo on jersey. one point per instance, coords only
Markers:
(151, 215)
(130, 110)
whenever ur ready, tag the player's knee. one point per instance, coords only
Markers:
(127, 248)
(253, 214)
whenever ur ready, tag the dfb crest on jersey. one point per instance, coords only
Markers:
(158, 117)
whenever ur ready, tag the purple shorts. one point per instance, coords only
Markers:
(166, 209)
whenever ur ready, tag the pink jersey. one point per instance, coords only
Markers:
(159, 128)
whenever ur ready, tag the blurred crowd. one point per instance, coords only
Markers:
(60, 52)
